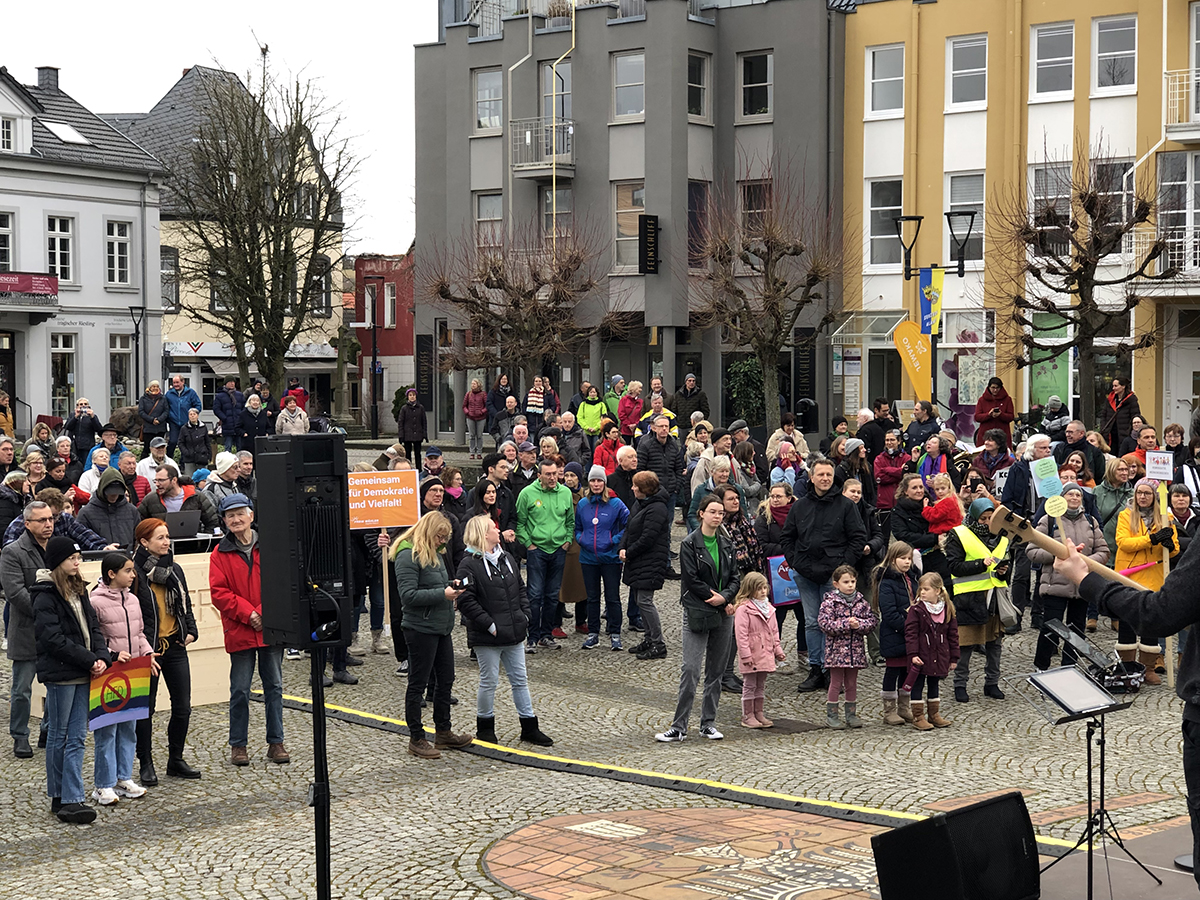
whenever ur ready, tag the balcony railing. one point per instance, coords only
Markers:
(628, 9)
(488, 15)
(539, 144)
(1182, 252)
(1183, 103)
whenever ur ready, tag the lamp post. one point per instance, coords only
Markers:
(955, 220)
(374, 352)
(137, 314)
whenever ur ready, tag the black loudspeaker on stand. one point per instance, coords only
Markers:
(307, 592)
(985, 851)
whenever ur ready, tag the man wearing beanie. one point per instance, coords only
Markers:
(222, 482)
(600, 521)
(615, 392)
(235, 585)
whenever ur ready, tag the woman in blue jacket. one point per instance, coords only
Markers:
(600, 521)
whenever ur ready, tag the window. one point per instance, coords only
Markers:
(320, 289)
(966, 195)
(1176, 213)
(489, 215)
(697, 224)
(697, 91)
(6, 242)
(631, 203)
(1052, 207)
(1116, 54)
(62, 375)
(489, 100)
(557, 211)
(168, 278)
(370, 293)
(59, 247)
(1114, 192)
(755, 197)
(8, 129)
(886, 79)
(756, 75)
(120, 369)
(629, 85)
(308, 203)
(969, 341)
(1054, 59)
(389, 305)
(556, 91)
(116, 252)
(218, 291)
(885, 206)
(968, 71)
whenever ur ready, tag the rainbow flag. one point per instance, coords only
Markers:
(120, 694)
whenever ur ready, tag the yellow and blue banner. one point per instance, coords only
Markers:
(120, 694)
(931, 282)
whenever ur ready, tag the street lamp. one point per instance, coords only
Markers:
(137, 314)
(958, 221)
(374, 352)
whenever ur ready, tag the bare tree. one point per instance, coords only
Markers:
(518, 292)
(258, 195)
(1078, 260)
(771, 248)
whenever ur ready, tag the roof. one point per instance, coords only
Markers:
(106, 147)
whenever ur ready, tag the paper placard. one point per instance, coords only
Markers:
(384, 499)
(1045, 476)
(1160, 465)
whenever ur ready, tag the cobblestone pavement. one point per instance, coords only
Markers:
(409, 828)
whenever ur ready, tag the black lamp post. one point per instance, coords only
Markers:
(957, 221)
(137, 314)
(374, 352)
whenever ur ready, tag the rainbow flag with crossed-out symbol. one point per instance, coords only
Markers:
(120, 694)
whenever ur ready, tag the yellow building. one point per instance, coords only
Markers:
(955, 105)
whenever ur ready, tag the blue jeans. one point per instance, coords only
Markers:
(545, 572)
(241, 671)
(610, 573)
(375, 595)
(67, 710)
(490, 658)
(231, 438)
(810, 598)
(115, 748)
(172, 437)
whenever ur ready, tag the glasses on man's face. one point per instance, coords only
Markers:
(41, 520)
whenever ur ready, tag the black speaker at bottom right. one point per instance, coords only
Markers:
(985, 851)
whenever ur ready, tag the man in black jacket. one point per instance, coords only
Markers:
(873, 432)
(924, 425)
(1076, 439)
(660, 453)
(687, 400)
(823, 531)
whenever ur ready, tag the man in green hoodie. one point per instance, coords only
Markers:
(615, 393)
(545, 526)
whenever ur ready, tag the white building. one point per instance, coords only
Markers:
(78, 201)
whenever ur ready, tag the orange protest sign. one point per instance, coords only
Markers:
(914, 353)
(384, 499)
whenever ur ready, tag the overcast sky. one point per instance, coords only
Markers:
(123, 59)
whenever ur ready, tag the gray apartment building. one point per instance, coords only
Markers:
(637, 107)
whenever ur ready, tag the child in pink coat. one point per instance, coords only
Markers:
(844, 619)
(757, 645)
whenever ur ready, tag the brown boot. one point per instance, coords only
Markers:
(448, 740)
(277, 753)
(918, 714)
(1147, 660)
(1091, 625)
(1127, 652)
(749, 720)
(935, 717)
(423, 749)
(890, 716)
(1160, 664)
(758, 714)
(904, 706)
(238, 756)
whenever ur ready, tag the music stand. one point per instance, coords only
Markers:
(1068, 694)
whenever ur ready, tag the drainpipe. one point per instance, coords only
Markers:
(554, 137)
(145, 274)
(509, 100)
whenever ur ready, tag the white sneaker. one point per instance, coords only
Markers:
(289, 653)
(707, 731)
(105, 796)
(129, 788)
(671, 735)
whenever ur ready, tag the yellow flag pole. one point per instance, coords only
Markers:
(1164, 508)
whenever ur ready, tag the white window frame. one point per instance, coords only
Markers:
(741, 116)
(627, 117)
(120, 345)
(965, 105)
(977, 232)
(8, 236)
(370, 297)
(886, 268)
(118, 253)
(705, 114)
(1036, 96)
(618, 240)
(1117, 90)
(55, 240)
(65, 343)
(869, 100)
(495, 225)
(566, 216)
(476, 127)
(1062, 185)
(168, 278)
(8, 134)
(389, 304)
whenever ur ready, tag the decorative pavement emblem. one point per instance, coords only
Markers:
(687, 854)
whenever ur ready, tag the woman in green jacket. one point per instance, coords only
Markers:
(591, 414)
(1112, 495)
(427, 603)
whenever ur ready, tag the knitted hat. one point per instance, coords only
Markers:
(852, 446)
(58, 550)
(717, 434)
(597, 472)
(576, 468)
(427, 485)
(979, 507)
(1071, 486)
(200, 475)
(1146, 482)
(1054, 402)
(225, 461)
(614, 380)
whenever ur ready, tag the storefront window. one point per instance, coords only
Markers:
(120, 366)
(966, 360)
(62, 375)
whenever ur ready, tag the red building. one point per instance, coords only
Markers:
(383, 295)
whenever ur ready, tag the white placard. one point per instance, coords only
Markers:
(1160, 465)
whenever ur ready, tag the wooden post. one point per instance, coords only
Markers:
(1164, 508)
(387, 600)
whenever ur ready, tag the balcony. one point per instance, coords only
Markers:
(541, 149)
(488, 15)
(1182, 252)
(1183, 105)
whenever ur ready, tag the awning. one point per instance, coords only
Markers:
(868, 326)
(230, 366)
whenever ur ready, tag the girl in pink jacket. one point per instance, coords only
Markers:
(758, 645)
(120, 616)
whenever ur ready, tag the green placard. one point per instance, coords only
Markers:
(1050, 376)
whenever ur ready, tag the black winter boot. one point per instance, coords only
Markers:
(814, 682)
(485, 729)
(531, 733)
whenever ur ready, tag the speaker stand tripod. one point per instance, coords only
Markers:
(318, 791)
(1099, 824)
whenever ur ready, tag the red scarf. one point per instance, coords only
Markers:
(780, 513)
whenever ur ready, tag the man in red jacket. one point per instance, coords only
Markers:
(235, 584)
